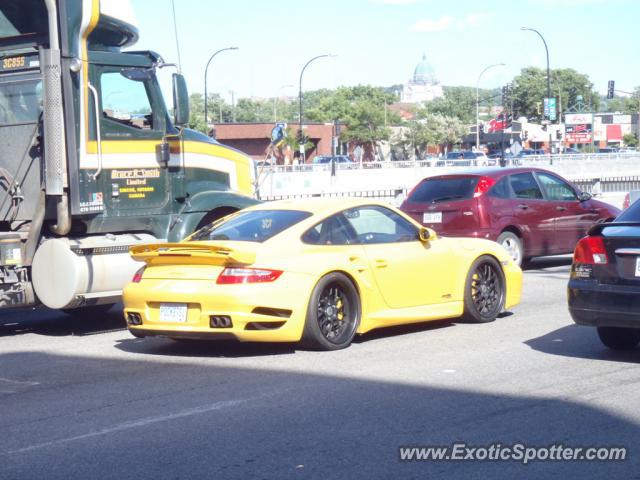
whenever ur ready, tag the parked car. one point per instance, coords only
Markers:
(316, 270)
(630, 198)
(326, 159)
(608, 150)
(529, 211)
(464, 158)
(604, 285)
(571, 151)
(527, 152)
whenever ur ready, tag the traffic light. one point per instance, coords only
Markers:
(505, 93)
(481, 132)
(558, 134)
(610, 89)
(538, 104)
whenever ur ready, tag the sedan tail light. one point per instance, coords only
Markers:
(591, 251)
(247, 275)
(483, 186)
(138, 275)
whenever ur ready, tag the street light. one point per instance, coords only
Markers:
(206, 118)
(546, 49)
(478, 102)
(275, 99)
(300, 135)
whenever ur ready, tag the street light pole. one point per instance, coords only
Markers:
(300, 135)
(478, 102)
(206, 118)
(546, 49)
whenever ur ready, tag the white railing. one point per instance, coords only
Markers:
(442, 162)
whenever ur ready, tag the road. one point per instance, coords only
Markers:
(84, 399)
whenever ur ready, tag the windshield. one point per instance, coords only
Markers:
(443, 189)
(23, 17)
(20, 101)
(252, 226)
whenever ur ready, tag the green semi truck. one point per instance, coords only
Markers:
(91, 159)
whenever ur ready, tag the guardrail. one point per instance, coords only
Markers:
(594, 186)
(529, 160)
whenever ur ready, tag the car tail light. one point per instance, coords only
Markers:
(138, 275)
(591, 251)
(626, 202)
(483, 186)
(247, 275)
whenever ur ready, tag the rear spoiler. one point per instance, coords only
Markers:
(599, 227)
(162, 253)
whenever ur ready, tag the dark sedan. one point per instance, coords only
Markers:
(604, 287)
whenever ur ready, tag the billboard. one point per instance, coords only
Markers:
(580, 133)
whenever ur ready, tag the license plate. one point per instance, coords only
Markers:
(638, 267)
(173, 312)
(434, 217)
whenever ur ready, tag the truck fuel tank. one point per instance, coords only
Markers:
(71, 272)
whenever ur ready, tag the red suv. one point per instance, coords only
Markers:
(530, 211)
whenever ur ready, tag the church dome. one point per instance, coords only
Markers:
(424, 73)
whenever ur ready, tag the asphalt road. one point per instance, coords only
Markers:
(84, 399)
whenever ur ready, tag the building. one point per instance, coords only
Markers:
(423, 86)
(254, 139)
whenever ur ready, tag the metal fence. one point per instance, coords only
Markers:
(594, 186)
(529, 160)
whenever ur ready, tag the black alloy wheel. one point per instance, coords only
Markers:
(333, 313)
(485, 291)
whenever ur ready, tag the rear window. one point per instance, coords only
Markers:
(251, 226)
(631, 214)
(443, 189)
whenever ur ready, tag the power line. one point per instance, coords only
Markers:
(175, 30)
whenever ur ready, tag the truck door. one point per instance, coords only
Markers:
(133, 123)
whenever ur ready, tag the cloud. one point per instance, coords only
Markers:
(430, 25)
(443, 23)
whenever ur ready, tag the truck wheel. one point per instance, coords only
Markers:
(619, 338)
(333, 314)
(484, 291)
(512, 244)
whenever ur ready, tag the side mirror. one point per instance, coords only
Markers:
(425, 234)
(180, 100)
(584, 196)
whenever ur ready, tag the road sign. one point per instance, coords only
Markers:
(550, 108)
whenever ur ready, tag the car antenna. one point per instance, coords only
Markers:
(175, 30)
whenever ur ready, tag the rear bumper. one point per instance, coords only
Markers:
(272, 312)
(601, 305)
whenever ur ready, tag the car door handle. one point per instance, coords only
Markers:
(560, 208)
(381, 263)
(522, 206)
(356, 261)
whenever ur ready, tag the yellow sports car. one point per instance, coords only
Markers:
(317, 271)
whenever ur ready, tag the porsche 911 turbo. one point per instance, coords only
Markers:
(317, 271)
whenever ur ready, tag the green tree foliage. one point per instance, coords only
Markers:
(431, 129)
(457, 102)
(626, 105)
(630, 139)
(362, 109)
(530, 89)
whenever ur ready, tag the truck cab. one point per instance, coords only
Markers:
(92, 161)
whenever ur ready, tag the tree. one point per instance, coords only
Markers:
(457, 102)
(630, 139)
(530, 89)
(627, 105)
(215, 106)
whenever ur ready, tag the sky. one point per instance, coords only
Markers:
(379, 42)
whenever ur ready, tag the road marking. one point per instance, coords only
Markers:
(18, 382)
(138, 423)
